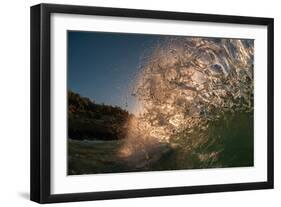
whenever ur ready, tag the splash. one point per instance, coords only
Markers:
(185, 84)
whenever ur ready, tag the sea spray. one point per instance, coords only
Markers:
(185, 85)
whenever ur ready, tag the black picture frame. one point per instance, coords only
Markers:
(41, 95)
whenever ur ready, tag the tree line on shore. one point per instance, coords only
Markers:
(92, 121)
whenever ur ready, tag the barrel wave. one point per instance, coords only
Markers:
(197, 100)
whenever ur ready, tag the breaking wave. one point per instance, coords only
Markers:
(184, 85)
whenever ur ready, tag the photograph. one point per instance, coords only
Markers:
(155, 102)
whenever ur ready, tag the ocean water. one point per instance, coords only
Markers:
(196, 111)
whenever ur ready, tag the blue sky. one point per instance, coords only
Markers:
(102, 66)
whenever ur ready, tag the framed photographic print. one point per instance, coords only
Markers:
(132, 103)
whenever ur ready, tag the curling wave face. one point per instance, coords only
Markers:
(186, 83)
